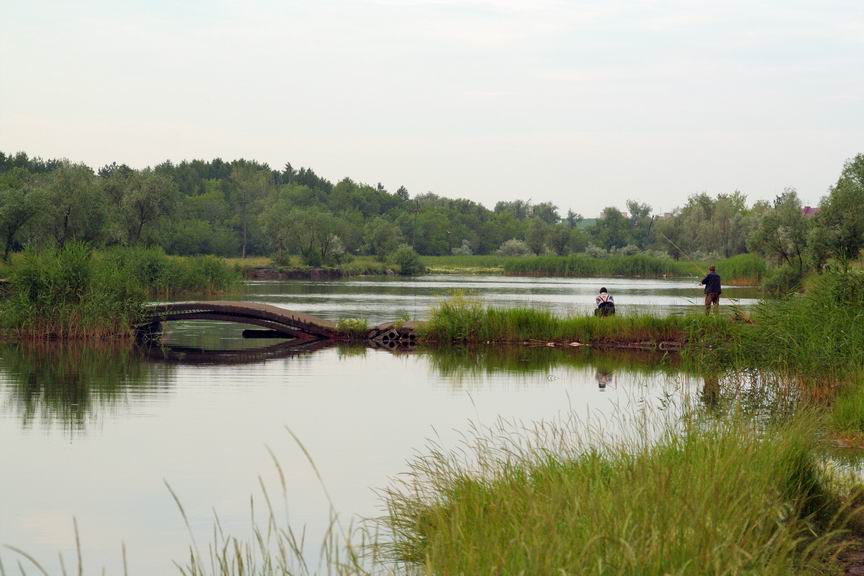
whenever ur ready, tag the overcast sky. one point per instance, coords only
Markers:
(584, 104)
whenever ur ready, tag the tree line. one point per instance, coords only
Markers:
(244, 207)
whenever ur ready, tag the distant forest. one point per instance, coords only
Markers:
(243, 208)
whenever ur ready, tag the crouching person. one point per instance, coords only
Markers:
(605, 304)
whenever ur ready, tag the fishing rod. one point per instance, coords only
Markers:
(684, 252)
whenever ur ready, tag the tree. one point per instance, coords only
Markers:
(408, 261)
(381, 237)
(148, 196)
(573, 219)
(841, 215)
(547, 212)
(783, 231)
(74, 209)
(558, 238)
(641, 223)
(611, 230)
(20, 201)
(249, 184)
(536, 237)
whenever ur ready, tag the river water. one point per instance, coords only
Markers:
(95, 433)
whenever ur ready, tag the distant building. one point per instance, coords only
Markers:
(809, 211)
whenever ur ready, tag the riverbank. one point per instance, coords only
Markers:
(741, 270)
(744, 269)
(76, 293)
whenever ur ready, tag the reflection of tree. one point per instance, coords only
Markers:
(70, 384)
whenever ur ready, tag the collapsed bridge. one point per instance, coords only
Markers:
(279, 322)
(288, 323)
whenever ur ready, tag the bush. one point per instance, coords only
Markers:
(75, 293)
(463, 250)
(408, 261)
(782, 281)
(515, 247)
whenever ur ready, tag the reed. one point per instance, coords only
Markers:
(352, 329)
(819, 334)
(466, 320)
(719, 497)
(74, 292)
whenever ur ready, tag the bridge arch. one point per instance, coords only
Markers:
(291, 324)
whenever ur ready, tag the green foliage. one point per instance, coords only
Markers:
(352, 328)
(408, 261)
(579, 265)
(514, 247)
(72, 292)
(713, 498)
(819, 334)
(782, 232)
(847, 408)
(246, 208)
(463, 319)
(382, 237)
(783, 281)
(64, 293)
(840, 229)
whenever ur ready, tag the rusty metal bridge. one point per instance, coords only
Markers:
(301, 327)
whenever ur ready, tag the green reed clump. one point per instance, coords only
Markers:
(578, 265)
(740, 268)
(171, 276)
(462, 319)
(67, 293)
(818, 334)
(352, 328)
(74, 292)
(847, 408)
(715, 498)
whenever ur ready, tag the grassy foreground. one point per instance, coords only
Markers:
(718, 498)
(77, 293)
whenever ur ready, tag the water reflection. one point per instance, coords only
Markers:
(70, 385)
(202, 421)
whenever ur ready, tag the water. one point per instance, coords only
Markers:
(381, 299)
(93, 433)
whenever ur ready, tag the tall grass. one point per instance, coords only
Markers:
(76, 293)
(461, 319)
(741, 268)
(819, 334)
(717, 498)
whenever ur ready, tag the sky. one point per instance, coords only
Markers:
(584, 104)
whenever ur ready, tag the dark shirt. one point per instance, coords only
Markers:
(712, 283)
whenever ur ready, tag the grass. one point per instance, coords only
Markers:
(847, 409)
(461, 319)
(746, 268)
(817, 335)
(478, 264)
(77, 293)
(352, 328)
(716, 498)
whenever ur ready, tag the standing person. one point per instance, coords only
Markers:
(605, 304)
(712, 290)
